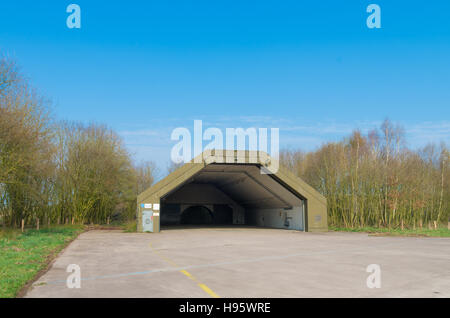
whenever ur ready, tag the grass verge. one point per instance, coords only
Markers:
(23, 255)
(130, 227)
(439, 232)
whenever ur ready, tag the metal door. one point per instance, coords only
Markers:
(147, 220)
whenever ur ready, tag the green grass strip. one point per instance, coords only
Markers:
(23, 255)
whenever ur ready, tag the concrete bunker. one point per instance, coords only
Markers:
(229, 189)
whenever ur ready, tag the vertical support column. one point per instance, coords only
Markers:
(305, 216)
(139, 218)
(156, 215)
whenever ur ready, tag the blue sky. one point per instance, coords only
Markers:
(311, 68)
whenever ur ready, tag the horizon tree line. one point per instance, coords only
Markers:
(72, 173)
(375, 180)
(60, 172)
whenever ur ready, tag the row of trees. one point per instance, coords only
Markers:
(375, 180)
(53, 172)
(60, 172)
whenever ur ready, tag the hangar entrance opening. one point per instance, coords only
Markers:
(196, 215)
(233, 194)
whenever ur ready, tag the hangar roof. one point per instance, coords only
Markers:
(247, 186)
(238, 174)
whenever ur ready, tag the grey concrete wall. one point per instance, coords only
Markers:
(277, 218)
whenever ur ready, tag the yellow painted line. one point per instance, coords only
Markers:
(167, 260)
(162, 256)
(209, 291)
(189, 275)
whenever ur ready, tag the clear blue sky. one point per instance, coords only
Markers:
(312, 68)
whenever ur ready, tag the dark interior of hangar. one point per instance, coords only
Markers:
(222, 194)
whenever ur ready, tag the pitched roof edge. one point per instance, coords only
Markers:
(231, 157)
